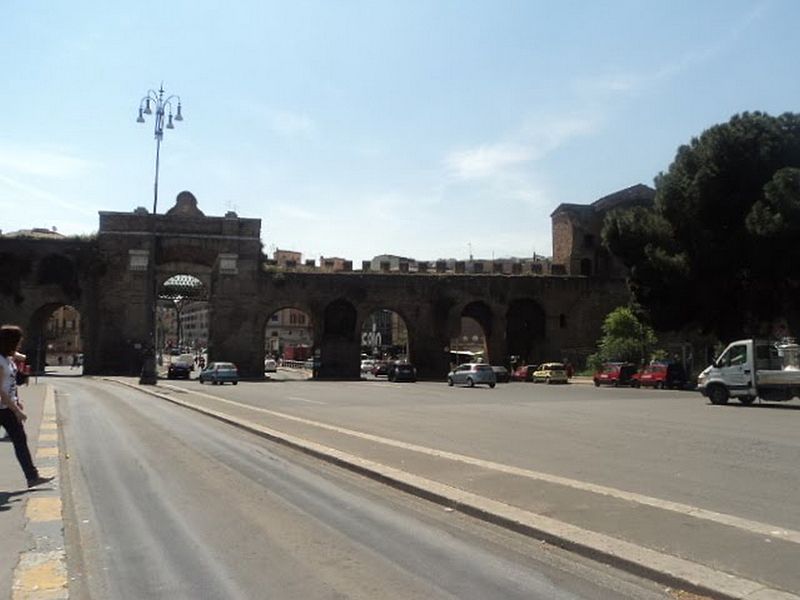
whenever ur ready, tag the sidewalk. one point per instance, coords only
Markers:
(15, 498)
(681, 546)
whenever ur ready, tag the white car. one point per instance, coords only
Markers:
(270, 366)
(366, 365)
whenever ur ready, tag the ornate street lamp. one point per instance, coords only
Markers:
(155, 103)
(161, 106)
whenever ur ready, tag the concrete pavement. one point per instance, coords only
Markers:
(682, 546)
(32, 555)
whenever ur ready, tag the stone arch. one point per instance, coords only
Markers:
(289, 332)
(183, 314)
(43, 344)
(58, 270)
(480, 313)
(393, 327)
(525, 326)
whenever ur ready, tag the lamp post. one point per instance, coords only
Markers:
(161, 106)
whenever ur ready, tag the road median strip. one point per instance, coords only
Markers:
(658, 566)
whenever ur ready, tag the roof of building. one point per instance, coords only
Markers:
(36, 232)
(636, 194)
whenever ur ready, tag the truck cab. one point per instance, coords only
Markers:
(750, 369)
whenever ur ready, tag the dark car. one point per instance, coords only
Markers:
(402, 372)
(524, 373)
(501, 374)
(181, 367)
(661, 375)
(380, 367)
(615, 373)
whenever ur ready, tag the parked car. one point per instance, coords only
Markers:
(554, 372)
(472, 374)
(614, 373)
(366, 365)
(381, 367)
(661, 375)
(524, 373)
(219, 373)
(402, 371)
(270, 365)
(181, 367)
(501, 374)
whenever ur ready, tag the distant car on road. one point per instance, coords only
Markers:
(381, 367)
(366, 365)
(471, 374)
(402, 372)
(270, 365)
(501, 374)
(614, 373)
(550, 373)
(181, 367)
(524, 373)
(219, 373)
(660, 375)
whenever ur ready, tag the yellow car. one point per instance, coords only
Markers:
(550, 373)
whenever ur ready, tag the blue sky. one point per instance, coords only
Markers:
(419, 128)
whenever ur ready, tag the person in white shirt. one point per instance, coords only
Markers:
(12, 415)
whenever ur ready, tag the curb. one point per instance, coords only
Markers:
(638, 560)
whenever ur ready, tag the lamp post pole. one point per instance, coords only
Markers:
(161, 106)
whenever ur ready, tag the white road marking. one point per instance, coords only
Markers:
(299, 399)
(789, 535)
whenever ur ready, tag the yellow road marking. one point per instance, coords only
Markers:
(47, 452)
(40, 576)
(45, 508)
(50, 426)
(48, 471)
(48, 437)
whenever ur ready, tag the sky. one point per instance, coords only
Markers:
(422, 128)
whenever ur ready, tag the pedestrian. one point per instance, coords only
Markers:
(12, 415)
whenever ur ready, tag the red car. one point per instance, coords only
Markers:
(524, 373)
(616, 374)
(661, 375)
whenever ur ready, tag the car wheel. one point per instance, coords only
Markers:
(450, 381)
(234, 382)
(718, 395)
(547, 381)
(201, 381)
(470, 383)
(658, 385)
(491, 385)
(596, 383)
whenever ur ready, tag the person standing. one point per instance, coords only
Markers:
(12, 415)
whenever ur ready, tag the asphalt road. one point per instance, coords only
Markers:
(163, 502)
(672, 445)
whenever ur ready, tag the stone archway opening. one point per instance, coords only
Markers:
(53, 343)
(384, 337)
(289, 344)
(525, 329)
(468, 343)
(182, 317)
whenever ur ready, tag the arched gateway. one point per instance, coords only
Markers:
(112, 280)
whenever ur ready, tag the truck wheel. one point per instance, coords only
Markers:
(747, 400)
(718, 395)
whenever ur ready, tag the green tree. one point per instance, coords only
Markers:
(625, 338)
(718, 250)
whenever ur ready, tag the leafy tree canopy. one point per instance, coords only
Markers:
(625, 338)
(719, 248)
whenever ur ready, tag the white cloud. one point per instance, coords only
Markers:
(486, 160)
(291, 124)
(42, 163)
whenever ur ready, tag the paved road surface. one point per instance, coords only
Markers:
(163, 502)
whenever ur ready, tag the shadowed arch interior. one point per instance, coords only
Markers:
(524, 327)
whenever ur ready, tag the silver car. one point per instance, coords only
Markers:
(472, 374)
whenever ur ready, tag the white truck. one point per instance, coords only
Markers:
(750, 369)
